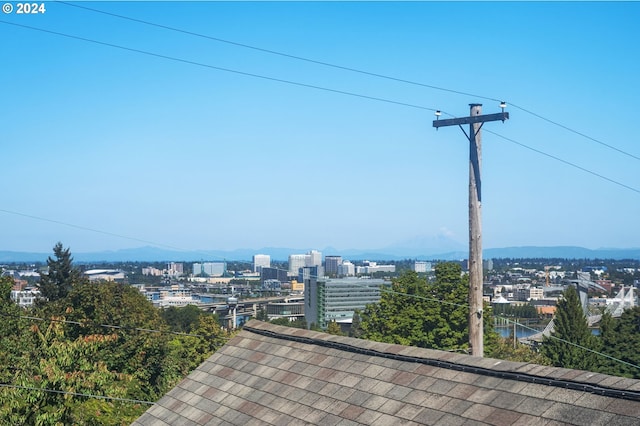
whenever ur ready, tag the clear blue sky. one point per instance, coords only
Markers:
(199, 158)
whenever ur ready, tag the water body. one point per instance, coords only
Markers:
(507, 331)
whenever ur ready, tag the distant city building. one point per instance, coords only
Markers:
(175, 269)
(273, 274)
(488, 264)
(346, 269)
(261, 261)
(331, 264)
(296, 261)
(297, 287)
(309, 272)
(372, 267)
(210, 269)
(155, 272)
(337, 299)
(528, 293)
(421, 267)
(272, 285)
(292, 309)
(314, 258)
(105, 275)
(25, 298)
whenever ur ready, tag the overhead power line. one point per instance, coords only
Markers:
(87, 395)
(566, 162)
(200, 64)
(275, 52)
(111, 326)
(351, 69)
(292, 83)
(551, 336)
(555, 123)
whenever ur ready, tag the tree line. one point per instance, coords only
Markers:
(433, 315)
(105, 340)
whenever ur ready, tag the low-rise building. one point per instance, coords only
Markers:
(25, 298)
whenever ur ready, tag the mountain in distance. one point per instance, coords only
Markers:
(409, 250)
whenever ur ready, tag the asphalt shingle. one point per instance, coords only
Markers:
(276, 375)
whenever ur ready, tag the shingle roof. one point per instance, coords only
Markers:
(276, 375)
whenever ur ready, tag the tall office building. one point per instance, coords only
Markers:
(314, 258)
(210, 269)
(346, 269)
(261, 261)
(331, 264)
(273, 274)
(296, 261)
(337, 299)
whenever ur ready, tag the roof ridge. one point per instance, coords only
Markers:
(298, 335)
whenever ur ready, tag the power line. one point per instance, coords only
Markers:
(575, 131)
(200, 64)
(91, 323)
(565, 162)
(274, 52)
(382, 289)
(313, 87)
(351, 69)
(551, 336)
(88, 395)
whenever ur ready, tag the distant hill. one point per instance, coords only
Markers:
(154, 254)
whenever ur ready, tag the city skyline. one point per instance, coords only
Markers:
(109, 147)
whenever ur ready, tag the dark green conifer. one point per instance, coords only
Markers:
(61, 275)
(565, 347)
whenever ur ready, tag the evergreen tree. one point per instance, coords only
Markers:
(334, 328)
(571, 334)
(61, 275)
(621, 340)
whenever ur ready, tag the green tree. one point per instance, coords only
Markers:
(135, 351)
(12, 331)
(621, 340)
(52, 369)
(356, 328)
(504, 349)
(334, 328)
(61, 275)
(571, 335)
(181, 319)
(415, 313)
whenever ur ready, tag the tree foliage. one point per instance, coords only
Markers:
(63, 366)
(571, 339)
(100, 339)
(182, 319)
(61, 275)
(621, 340)
(334, 328)
(417, 313)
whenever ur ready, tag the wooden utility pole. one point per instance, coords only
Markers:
(475, 122)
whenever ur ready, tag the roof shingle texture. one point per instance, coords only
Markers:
(264, 377)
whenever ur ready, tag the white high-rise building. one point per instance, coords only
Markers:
(261, 261)
(346, 269)
(296, 261)
(314, 258)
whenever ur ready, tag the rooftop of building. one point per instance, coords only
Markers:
(276, 375)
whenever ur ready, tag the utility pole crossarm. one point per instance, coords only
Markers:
(501, 116)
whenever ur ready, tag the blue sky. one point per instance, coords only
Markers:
(198, 158)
